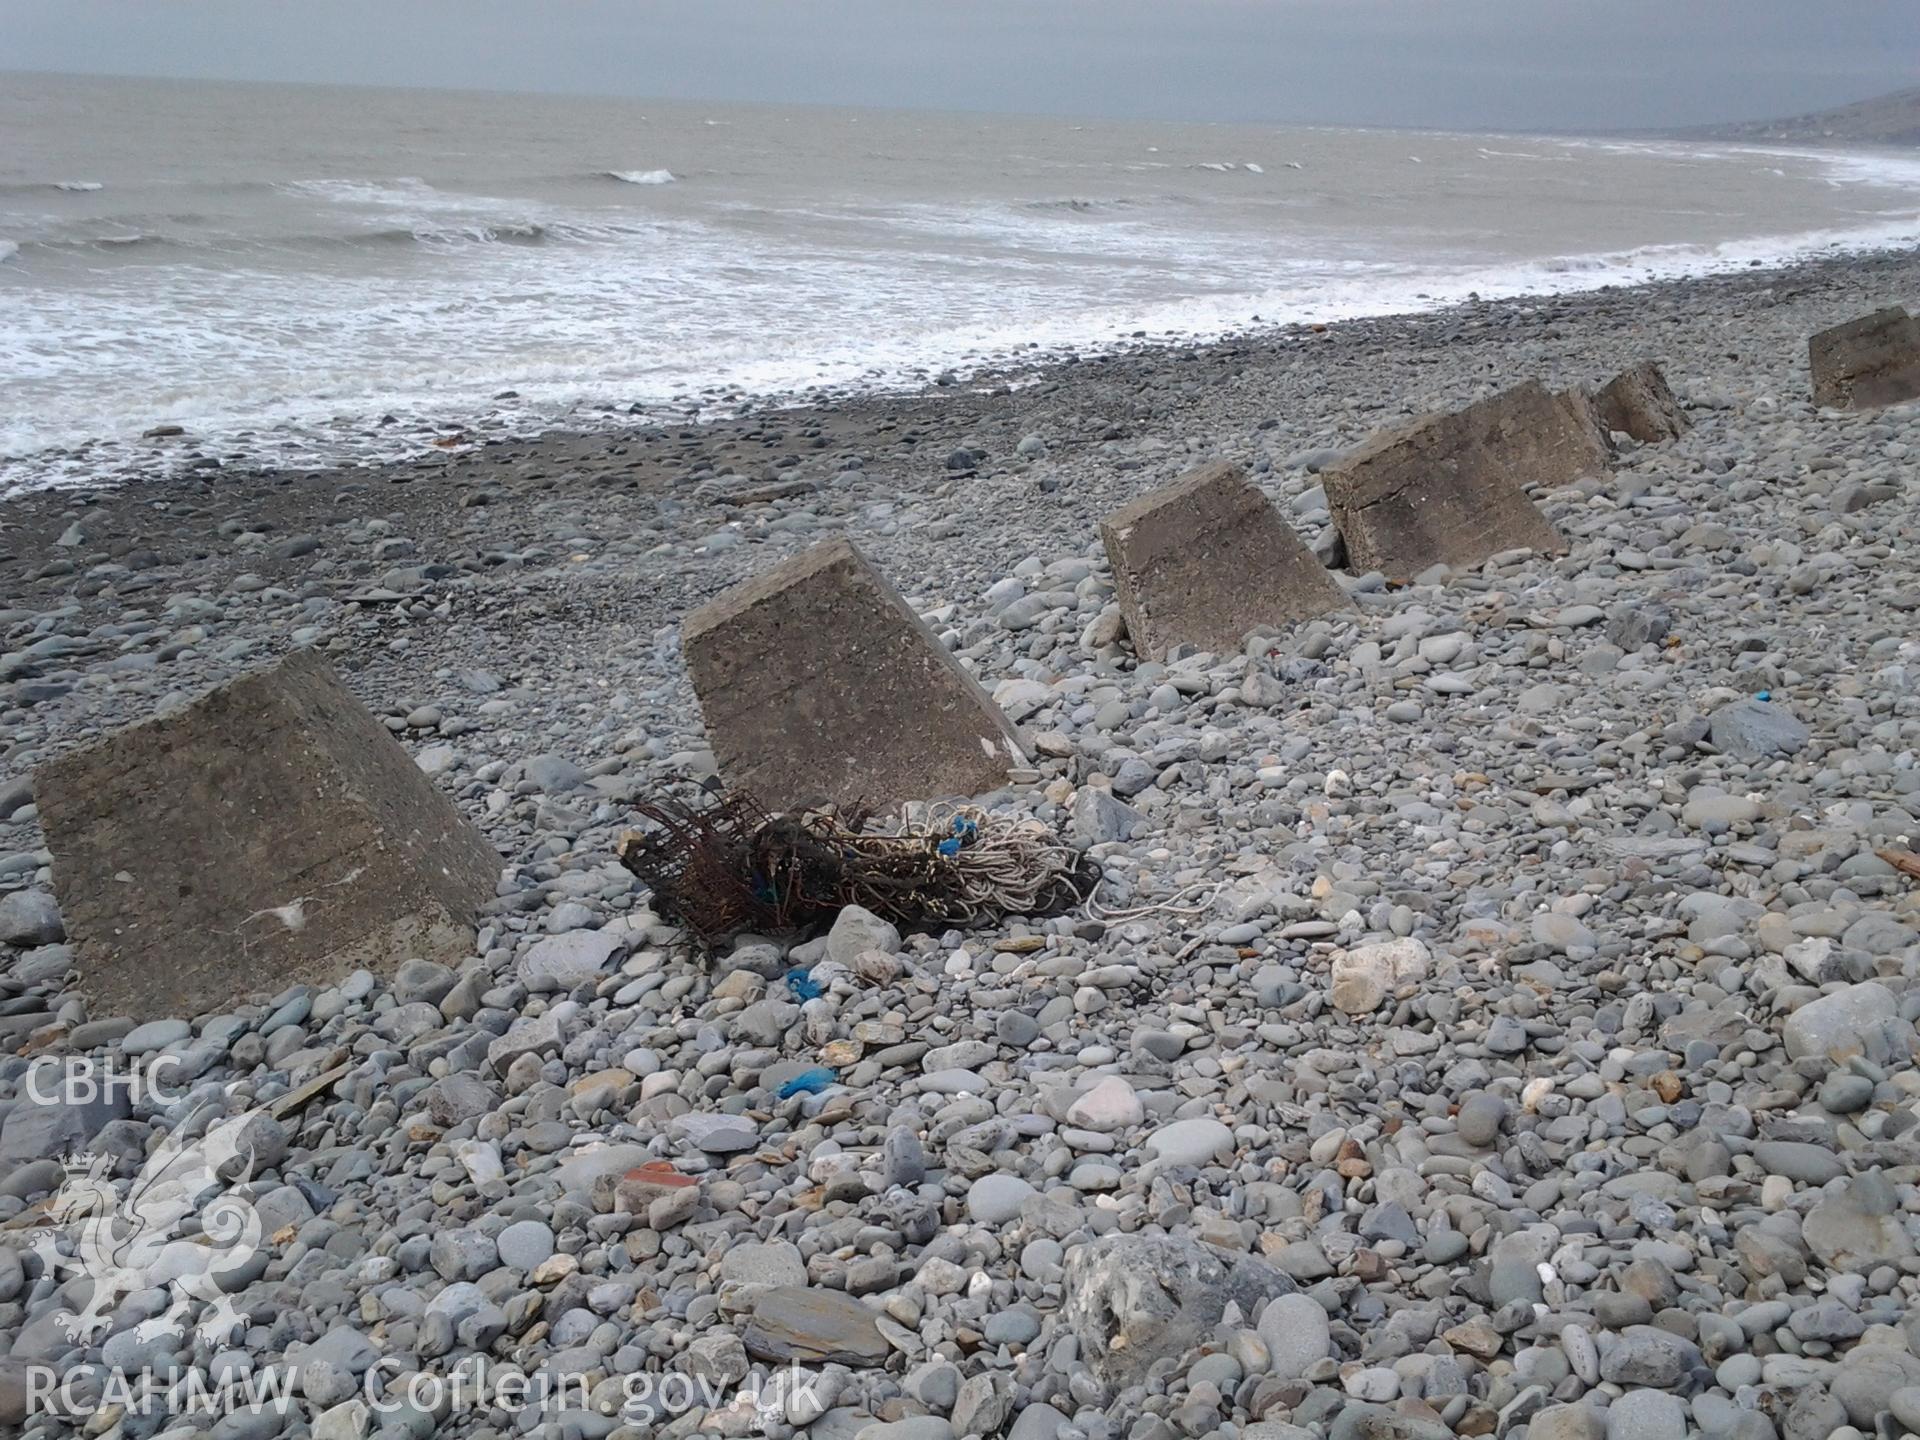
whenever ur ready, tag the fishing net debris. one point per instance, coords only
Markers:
(726, 866)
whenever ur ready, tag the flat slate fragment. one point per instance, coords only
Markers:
(1206, 559)
(819, 682)
(1450, 488)
(1757, 730)
(1868, 362)
(272, 832)
(813, 1327)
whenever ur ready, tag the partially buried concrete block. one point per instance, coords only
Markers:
(272, 832)
(1206, 559)
(1639, 402)
(1866, 363)
(1450, 488)
(819, 682)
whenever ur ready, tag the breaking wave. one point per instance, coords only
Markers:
(36, 187)
(443, 233)
(643, 177)
(525, 232)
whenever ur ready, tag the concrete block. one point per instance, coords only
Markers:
(819, 682)
(272, 832)
(1868, 362)
(1638, 402)
(1451, 488)
(1206, 559)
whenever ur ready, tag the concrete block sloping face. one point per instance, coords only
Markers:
(819, 682)
(1867, 363)
(270, 833)
(1450, 488)
(1206, 559)
(1639, 402)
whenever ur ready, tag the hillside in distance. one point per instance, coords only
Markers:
(1885, 120)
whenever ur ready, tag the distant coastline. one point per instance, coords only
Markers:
(1892, 120)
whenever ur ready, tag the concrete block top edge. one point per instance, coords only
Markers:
(1860, 323)
(1395, 431)
(296, 664)
(1214, 472)
(755, 588)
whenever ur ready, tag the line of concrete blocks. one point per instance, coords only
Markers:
(273, 831)
(817, 682)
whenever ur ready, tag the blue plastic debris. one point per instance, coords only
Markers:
(1763, 695)
(964, 831)
(803, 985)
(807, 1082)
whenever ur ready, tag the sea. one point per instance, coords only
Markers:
(303, 275)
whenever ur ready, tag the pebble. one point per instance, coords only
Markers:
(1297, 1333)
(1110, 1105)
(1481, 1116)
(525, 1244)
(1199, 1141)
(996, 1199)
(29, 918)
(1647, 1415)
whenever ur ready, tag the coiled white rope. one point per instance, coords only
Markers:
(1014, 867)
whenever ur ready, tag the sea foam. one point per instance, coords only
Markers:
(320, 298)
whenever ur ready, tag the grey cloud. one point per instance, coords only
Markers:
(1448, 63)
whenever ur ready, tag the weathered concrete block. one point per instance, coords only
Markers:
(271, 832)
(1206, 559)
(1639, 402)
(819, 682)
(1450, 488)
(1868, 362)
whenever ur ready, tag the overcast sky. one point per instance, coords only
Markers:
(1568, 64)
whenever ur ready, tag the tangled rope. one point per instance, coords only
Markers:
(992, 866)
(731, 867)
(1173, 905)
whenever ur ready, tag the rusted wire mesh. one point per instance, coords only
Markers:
(728, 866)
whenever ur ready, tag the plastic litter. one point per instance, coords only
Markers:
(807, 1082)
